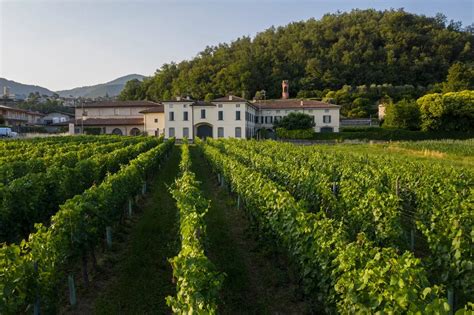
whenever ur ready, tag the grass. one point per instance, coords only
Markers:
(143, 273)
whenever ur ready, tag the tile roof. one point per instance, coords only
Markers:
(103, 122)
(202, 103)
(156, 109)
(120, 104)
(230, 98)
(293, 104)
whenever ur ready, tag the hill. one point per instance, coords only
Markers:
(361, 47)
(111, 88)
(21, 90)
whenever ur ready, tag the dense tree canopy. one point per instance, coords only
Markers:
(402, 115)
(452, 111)
(362, 47)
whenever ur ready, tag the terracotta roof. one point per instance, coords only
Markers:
(293, 104)
(230, 98)
(103, 122)
(156, 109)
(202, 103)
(120, 104)
(21, 110)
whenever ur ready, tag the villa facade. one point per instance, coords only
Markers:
(225, 117)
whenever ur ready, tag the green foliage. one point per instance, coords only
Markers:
(452, 111)
(295, 121)
(402, 115)
(35, 188)
(288, 192)
(460, 77)
(282, 133)
(133, 90)
(92, 130)
(75, 229)
(198, 281)
(49, 106)
(390, 47)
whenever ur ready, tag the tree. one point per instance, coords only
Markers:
(389, 52)
(132, 91)
(295, 121)
(460, 77)
(402, 115)
(452, 111)
(209, 97)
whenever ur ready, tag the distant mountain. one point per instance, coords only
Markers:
(21, 90)
(111, 88)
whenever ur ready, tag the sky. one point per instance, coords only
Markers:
(65, 44)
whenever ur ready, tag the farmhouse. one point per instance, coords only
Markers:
(113, 117)
(15, 117)
(224, 117)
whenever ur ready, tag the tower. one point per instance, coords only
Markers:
(285, 94)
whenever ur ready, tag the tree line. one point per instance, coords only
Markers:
(377, 49)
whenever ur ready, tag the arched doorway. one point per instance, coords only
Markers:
(135, 132)
(203, 131)
(117, 132)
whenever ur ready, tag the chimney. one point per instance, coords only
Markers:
(285, 90)
(301, 103)
(188, 98)
(230, 97)
(178, 98)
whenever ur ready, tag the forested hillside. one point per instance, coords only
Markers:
(362, 47)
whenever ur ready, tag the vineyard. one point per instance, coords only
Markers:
(333, 229)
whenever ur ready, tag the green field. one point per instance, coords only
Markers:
(232, 227)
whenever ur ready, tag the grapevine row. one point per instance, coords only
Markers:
(33, 198)
(30, 272)
(198, 281)
(382, 201)
(347, 276)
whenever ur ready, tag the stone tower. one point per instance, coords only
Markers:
(285, 94)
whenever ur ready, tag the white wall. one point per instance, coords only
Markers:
(318, 114)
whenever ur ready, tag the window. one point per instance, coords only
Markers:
(156, 120)
(326, 110)
(203, 113)
(238, 132)
(268, 119)
(237, 105)
(220, 115)
(171, 132)
(278, 111)
(256, 119)
(185, 106)
(157, 132)
(185, 115)
(237, 115)
(327, 119)
(261, 119)
(277, 118)
(116, 111)
(220, 132)
(185, 132)
(171, 105)
(219, 105)
(171, 116)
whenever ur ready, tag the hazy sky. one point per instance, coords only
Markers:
(65, 44)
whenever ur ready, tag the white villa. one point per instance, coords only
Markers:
(225, 117)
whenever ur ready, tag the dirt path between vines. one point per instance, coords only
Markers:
(258, 279)
(135, 277)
